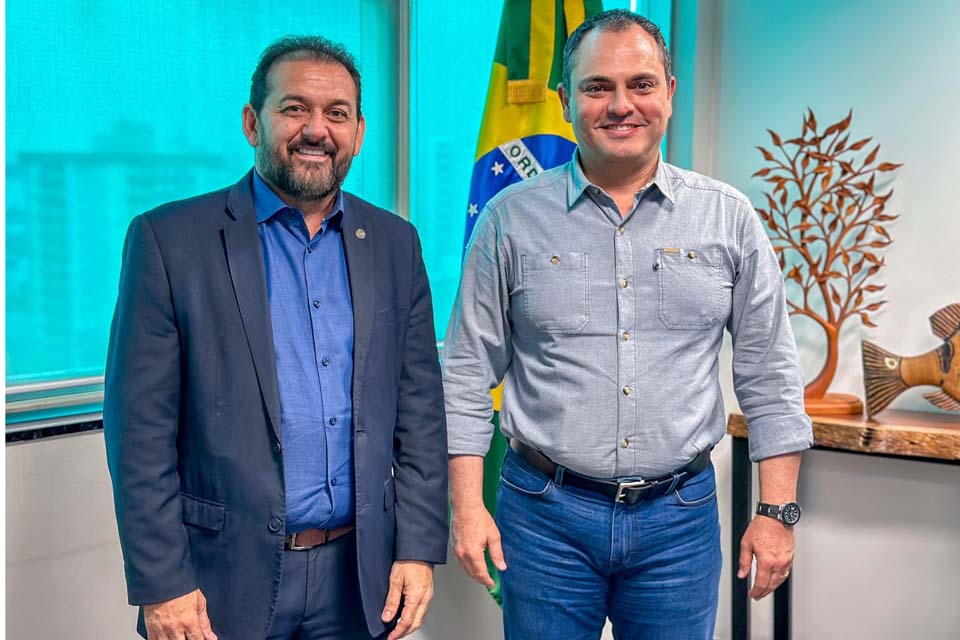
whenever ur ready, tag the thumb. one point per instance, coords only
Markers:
(495, 549)
(393, 599)
(746, 557)
(205, 627)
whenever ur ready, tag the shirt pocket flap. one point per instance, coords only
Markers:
(203, 513)
(555, 288)
(691, 294)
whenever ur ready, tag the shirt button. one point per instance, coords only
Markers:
(620, 230)
(316, 304)
(627, 391)
(309, 249)
(333, 482)
(325, 362)
(626, 335)
(275, 525)
(624, 443)
(623, 283)
(554, 260)
(692, 255)
(332, 421)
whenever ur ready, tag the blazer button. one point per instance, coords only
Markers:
(275, 525)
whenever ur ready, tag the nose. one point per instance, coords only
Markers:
(620, 103)
(315, 128)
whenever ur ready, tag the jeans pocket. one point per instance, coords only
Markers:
(556, 297)
(700, 490)
(691, 292)
(518, 476)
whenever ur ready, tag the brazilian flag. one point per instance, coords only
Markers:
(522, 134)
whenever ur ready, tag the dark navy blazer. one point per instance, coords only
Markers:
(192, 412)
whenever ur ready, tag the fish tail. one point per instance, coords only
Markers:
(881, 377)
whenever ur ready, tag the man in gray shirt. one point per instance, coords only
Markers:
(598, 292)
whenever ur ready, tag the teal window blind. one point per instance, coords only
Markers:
(114, 108)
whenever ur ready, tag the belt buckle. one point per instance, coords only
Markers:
(622, 488)
(293, 546)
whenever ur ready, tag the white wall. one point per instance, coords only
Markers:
(64, 570)
(879, 544)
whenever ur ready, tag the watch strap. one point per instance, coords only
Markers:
(769, 510)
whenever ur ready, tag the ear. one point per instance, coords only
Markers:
(361, 129)
(672, 88)
(250, 125)
(564, 101)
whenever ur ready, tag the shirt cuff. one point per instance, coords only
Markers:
(468, 436)
(779, 435)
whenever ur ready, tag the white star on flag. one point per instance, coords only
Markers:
(472, 210)
(497, 168)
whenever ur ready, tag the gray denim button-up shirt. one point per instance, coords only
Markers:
(606, 330)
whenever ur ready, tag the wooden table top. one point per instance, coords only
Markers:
(893, 432)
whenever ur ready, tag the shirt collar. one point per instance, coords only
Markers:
(267, 203)
(577, 181)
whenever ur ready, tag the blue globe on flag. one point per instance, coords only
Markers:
(510, 162)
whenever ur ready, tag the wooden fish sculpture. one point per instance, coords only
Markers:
(887, 375)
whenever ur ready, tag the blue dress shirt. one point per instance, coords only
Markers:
(312, 315)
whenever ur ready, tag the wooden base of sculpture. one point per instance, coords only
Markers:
(834, 404)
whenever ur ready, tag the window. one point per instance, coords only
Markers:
(114, 108)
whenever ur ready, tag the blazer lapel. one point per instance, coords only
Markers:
(245, 261)
(358, 244)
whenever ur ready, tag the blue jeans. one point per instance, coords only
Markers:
(575, 557)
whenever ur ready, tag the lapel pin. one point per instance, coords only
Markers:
(361, 234)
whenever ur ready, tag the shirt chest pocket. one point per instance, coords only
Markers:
(691, 292)
(555, 291)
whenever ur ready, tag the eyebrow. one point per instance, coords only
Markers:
(599, 78)
(299, 98)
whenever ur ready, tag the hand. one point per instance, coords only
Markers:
(414, 581)
(179, 618)
(474, 531)
(772, 544)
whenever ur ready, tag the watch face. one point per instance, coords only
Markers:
(790, 513)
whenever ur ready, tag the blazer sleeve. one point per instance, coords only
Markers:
(420, 437)
(140, 423)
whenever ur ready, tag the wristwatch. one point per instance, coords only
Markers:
(787, 513)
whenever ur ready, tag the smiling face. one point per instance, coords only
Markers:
(308, 130)
(619, 100)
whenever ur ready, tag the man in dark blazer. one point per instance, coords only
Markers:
(273, 410)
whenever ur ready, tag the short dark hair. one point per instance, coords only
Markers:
(315, 48)
(612, 20)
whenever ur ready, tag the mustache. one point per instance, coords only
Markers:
(319, 145)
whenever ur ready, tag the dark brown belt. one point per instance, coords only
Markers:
(628, 491)
(310, 538)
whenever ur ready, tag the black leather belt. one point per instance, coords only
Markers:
(629, 492)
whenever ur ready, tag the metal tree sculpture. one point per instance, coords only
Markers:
(826, 221)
